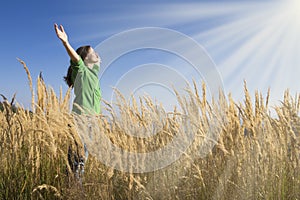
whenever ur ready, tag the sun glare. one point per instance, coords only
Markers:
(296, 3)
(265, 39)
(294, 8)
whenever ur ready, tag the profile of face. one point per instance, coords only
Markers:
(92, 57)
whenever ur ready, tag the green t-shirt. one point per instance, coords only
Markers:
(86, 88)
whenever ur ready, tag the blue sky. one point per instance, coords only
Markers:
(256, 41)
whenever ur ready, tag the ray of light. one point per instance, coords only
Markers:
(253, 41)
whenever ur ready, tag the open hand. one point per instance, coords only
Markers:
(60, 32)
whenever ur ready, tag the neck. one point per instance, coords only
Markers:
(89, 65)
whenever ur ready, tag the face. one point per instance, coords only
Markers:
(92, 57)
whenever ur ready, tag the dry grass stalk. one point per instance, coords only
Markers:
(236, 153)
(30, 82)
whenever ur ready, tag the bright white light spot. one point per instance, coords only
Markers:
(294, 8)
(295, 3)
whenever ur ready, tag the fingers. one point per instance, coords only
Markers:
(56, 28)
(62, 28)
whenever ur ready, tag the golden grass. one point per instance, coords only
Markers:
(239, 151)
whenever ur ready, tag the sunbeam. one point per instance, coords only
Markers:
(260, 46)
(256, 41)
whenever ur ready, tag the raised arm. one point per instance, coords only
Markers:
(62, 35)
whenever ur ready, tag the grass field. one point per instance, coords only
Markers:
(254, 156)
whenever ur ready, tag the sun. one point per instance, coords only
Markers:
(293, 7)
(295, 3)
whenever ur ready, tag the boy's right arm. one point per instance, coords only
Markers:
(62, 35)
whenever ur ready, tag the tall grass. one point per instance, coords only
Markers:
(239, 150)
